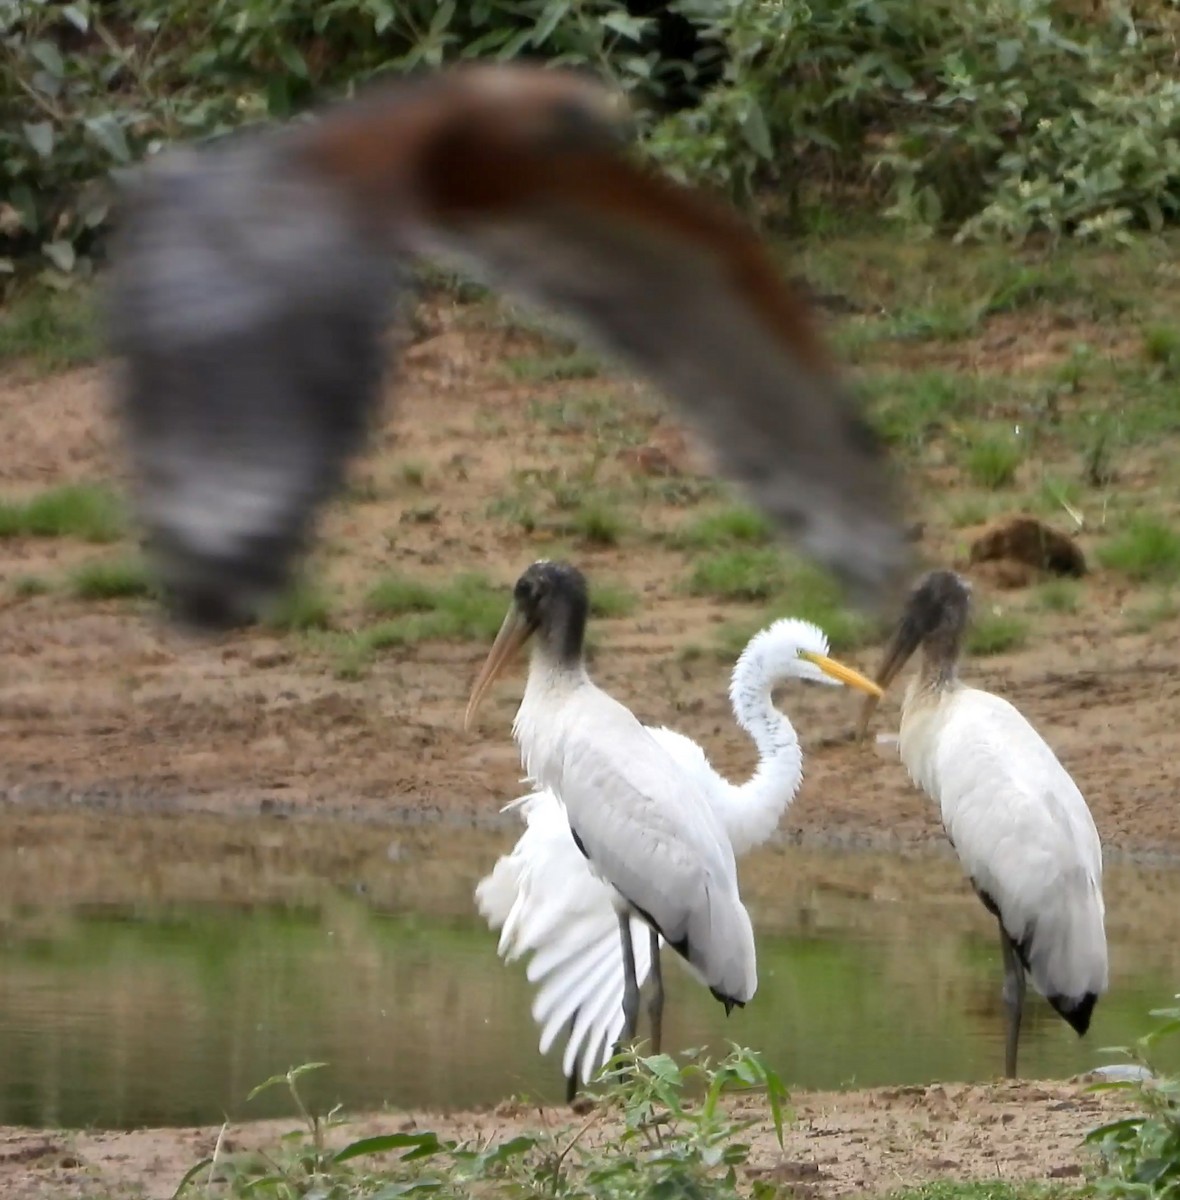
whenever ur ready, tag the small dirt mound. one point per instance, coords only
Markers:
(1031, 544)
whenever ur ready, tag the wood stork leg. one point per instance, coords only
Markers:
(571, 1080)
(630, 982)
(1014, 984)
(655, 1000)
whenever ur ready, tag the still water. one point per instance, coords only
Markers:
(163, 1013)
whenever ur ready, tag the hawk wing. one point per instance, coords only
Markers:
(249, 293)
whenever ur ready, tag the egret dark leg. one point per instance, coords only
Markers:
(630, 983)
(1014, 984)
(655, 1001)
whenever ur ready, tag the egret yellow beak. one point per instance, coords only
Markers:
(845, 674)
(512, 636)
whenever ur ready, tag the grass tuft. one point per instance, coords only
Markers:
(302, 608)
(992, 462)
(84, 511)
(112, 579)
(550, 368)
(729, 527)
(1147, 549)
(50, 330)
(993, 632)
(745, 574)
(597, 522)
(1059, 596)
(25, 586)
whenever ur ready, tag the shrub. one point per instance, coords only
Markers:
(986, 117)
(1141, 1154)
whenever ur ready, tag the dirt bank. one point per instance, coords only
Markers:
(839, 1143)
(100, 706)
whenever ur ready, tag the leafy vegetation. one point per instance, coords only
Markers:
(670, 1135)
(987, 117)
(1141, 1154)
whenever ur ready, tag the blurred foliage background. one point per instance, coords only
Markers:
(975, 118)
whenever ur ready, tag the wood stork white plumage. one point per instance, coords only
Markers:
(547, 901)
(1016, 819)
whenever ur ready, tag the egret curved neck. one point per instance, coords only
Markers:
(755, 807)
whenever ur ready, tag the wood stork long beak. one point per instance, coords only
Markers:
(906, 639)
(514, 632)
(843, 673)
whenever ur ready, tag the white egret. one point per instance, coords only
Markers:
(548, 902)
(1016, 819)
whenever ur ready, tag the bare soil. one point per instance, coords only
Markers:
(838, 1144)
(106, 712)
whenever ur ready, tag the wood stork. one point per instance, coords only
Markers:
(643, 823)
(253, 279)
(1013, 815)
(547, 901)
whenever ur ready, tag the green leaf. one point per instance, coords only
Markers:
(1007, 54)
(108, 133)
(61, 254)
(77, 17)
(424, 1143)
(48, 55)
(39, 135)
(293, 60)
(755, 130)
(22, 199)
(190, 1175)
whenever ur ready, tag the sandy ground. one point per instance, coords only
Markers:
(849, 1143)
(104, 713)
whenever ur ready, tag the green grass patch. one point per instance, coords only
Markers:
(552, 368)
(597, 522)
(303, 607)
(745, 574)
(469, 608)
(112, 579)
(25, 586)
(1059, 596)
(50, 330)
(84, 511)
(1146, 550)
(609, 600)
(809, 594)
(737, 526)
(992, 462)
(983, 1189)
(911, 407)
(1161, 348)
(995, 633)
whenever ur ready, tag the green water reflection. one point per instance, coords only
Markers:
(168, 1016)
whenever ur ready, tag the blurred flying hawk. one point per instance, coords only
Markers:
(254, 279)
